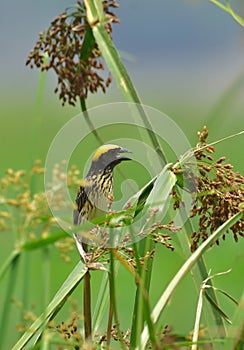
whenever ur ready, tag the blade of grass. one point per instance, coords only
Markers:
(60, 297)
(199, 273)
(87, 47)
(227, 295)
(229, 10)
(218, 309)
(156, 199)
(238, 18)
(203, 291)
(46, 284)
(161, 304)
(143, 307)
(7, 302)
(96, 20)
(110, 322)
(8, 262)
(36, 132)
(197, 320)
(141, 312)
(235, 332)
(37, 119)
(44, 241)
(102, 302)
(31, 245)
(26, 258)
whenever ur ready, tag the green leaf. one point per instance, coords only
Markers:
(54, 306)
(216, 306)
(143, 195)
(160, 194)
(43, 242)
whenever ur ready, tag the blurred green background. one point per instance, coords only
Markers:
(185, 59)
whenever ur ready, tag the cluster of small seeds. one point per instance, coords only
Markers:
(69, 49)
(161, 235)
(19, 207)
(220, 193)
(125, 336)
(68, 330)
(28, 213)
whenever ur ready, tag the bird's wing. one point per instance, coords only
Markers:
(81, 198)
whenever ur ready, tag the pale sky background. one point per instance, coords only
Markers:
(167, 39)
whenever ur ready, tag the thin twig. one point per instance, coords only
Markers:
(110, 319)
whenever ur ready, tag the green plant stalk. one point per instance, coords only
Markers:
(156, 199)
(113, 298)
(46, 279)
(34, 153)
(25, 283)
(87, 47)
(8, 262)
(183, 344)
(203, 291)
(87, 306)
(200, 273)
(187, 266)
(102, 302)
(87, 276)
(43, 242)
(235, 332)
(144, 305)
(229, 10)
(54, 306)
(138, 312)
(36, 129)
(89, 122)
(13, 273)
(140, 306)
(96, 20)
(110, 320)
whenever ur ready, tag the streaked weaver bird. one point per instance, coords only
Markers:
(96, 190)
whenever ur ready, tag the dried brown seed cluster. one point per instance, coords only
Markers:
(161, 234)
(125, 336)
(220, 193)
(71, 51)
(69, 330)
(167, 337)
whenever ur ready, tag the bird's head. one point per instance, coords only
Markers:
(108, 156)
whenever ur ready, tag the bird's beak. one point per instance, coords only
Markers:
(123, 150)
